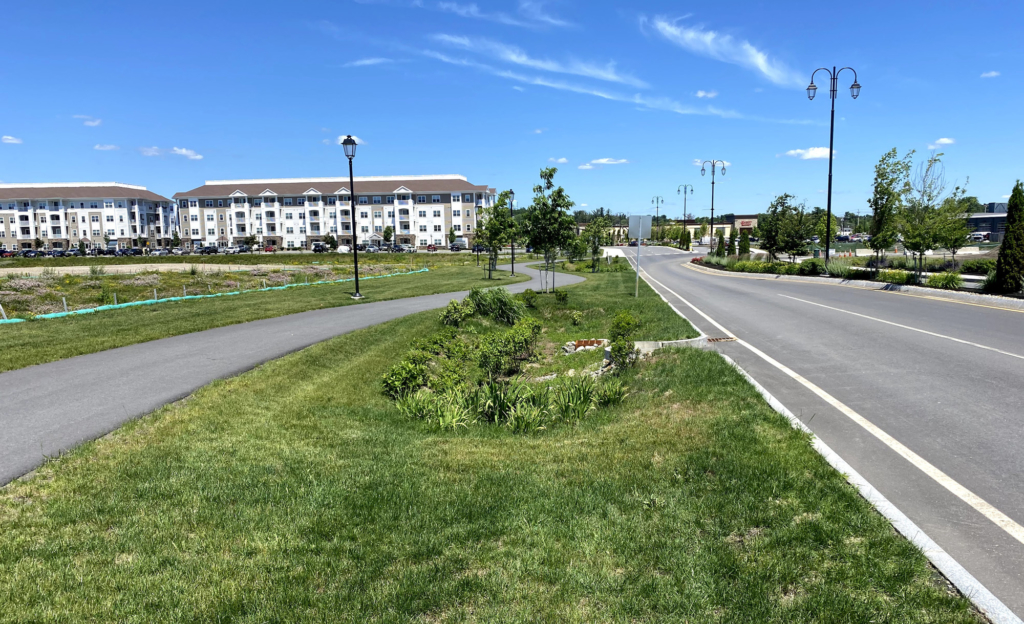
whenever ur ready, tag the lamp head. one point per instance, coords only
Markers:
(812, 90)
(702, 172)
(855, 89)
(350, 146)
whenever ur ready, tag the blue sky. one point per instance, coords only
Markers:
(629, 94)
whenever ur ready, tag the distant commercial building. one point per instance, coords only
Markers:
(295, 213)
(990, 224)
(61, 216)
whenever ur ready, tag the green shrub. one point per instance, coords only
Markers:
(611, 392)
(812, 266)
(989, 284)
(96, 270)
(785, 268)
(450, 412)
(978, 267)
(896, 276)
(623, 325)
(455, 313)
(403, 378)
(529, 297)
(624, 354)
(575, 398)
(577, 317)
(861, 274)
(498, 304)
(528, 418)
(504, 353)
(949, 280)
(447, 376)
(839, 268)
(416, 405)
(561, 297)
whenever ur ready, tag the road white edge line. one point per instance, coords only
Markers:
(983, 599)
(907, 327)
(974, 590)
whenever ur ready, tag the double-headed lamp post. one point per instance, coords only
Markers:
(658, 202)
(350, 152)
(714, 164)
(512, 218)
(681, 190)
(812, 89)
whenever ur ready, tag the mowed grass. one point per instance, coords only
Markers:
(296, 493)
(46, 340)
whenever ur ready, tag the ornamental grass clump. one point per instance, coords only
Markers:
(948, 280)
(896, 276)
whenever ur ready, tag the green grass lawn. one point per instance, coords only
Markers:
(296, 492)
(46, 340)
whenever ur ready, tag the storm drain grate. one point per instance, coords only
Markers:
(721, 339)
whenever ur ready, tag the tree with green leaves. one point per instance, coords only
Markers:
(1010, 264)
(251, 241)
(720, 245)
(81, 247)
(732, 243)
(37, 243)
(785, 228)
(744, 247)
(175, 240)
(891, 185)
(826, 231)
(594, 236)
(702, 231)
(952, 228)
(918, 222)
(686, 240)
(388, 233)
(331, 242)
(547, 222)
(496, 228)
(451, 235)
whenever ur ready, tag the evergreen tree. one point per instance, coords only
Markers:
(732, 242)
(175, 240)
(687, 240)
(720, 245)
(1010, 265)
(744, 243)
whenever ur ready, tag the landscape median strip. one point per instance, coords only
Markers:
(298, 491)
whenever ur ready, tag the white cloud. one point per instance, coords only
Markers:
(105, 148)
(516, 56)
(92, 122)
(535, 11)
(697, 162)
(560, 161)
(941, 143)
(532, 14)
(149, 151)
(609, 161)
(1006, 197)
(811, 153)
(586, 166)
(9, 139)
(990, 74)
(726, 49)
(187, 153)
(583, 205)
(706, 94)
(518, 88)
(366, 62)
(539, 131)
(341, 137)
(326, 141)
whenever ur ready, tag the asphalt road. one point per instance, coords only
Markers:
(944, 379)
(50, 408)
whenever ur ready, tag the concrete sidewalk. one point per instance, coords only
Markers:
(53, 407)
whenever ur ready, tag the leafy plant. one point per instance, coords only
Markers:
(96, 270)
(561, 297)
(949, 280)
(528, 418)
(528, 297)
(416, 405)
(896, 276)
(497, 303)
(403, 378)
(812, 266)
(611, 392)
(623, 325)
(577, 317)
(450, 412)
(504, 353)
(575, 398)
(839, 268)
(978, 267)
(455, 313)
(624, 354)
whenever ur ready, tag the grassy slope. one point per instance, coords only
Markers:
(35, 342)
(296, 493)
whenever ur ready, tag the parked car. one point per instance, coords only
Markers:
(344, 249)
(270, 249)
(372, 249)
(409, 248)
(178, 251)
(360, 247)
(431, 247)
(455, 247)
(55, 253)
(230, 249)
(244, 249)
(320, 248)
(160, 252)
(632, 243)
(6, 253)
(478, 248)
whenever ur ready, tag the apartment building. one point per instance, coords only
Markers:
(295, 213)
(62, 215)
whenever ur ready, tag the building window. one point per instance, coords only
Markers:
(288, 215)
(468, 198)
(222, 231)
(456, 213)
(287, 201)
(220, 217)
(437, 228)
(110, 218)
(209, 217)
(363, 214)
(423, 214)
(376, 214)
(376, 199)
(363, 200)
(435, 199)
(437, 213)
(220, 203)
(390, 199)
(301, 201)
(332, 201)
(421, 199)
(423, 242)
(469, 228)
(257, 203)
(211, 232)
(302, 216)
(95, 232)
(469, 213)
(195, 217)
(423, 228)
(192, 203)
(364, 229)
(108, 204)
(458, 228)
(378, 228)
(289, 230)
(314, 199)
(391, 214)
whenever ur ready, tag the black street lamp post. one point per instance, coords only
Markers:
(658, 202)
(681, 190)
(812, 89)
(714, 164)
(512, 217)
(350, 152)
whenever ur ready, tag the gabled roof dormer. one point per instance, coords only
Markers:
(312, 191)
(268, 192)
(402, 189)
(237, 194)
(341, 191)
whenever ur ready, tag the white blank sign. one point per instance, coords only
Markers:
(640, 226)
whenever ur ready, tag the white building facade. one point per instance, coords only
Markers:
(295, 213)
(62, 215)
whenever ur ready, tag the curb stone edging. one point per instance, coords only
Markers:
(994, 301)
(985, 601)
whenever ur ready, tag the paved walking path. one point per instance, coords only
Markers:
(53, 407)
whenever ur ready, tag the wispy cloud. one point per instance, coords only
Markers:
(92, 122)
(9, 139)
(560, 161)
(943, 142)
(341, 137)
(516, 56)
(518, 88)
(149, 151)
(990, 74)
(724, 48)
(366, 62)
(176, 151)
(707, 94)
(105, 148)
(811, 153)
(597, 162)
(187, 153)
(586, 166)
(699, 162)
(531, 14)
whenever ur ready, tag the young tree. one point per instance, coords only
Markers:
(952, 227)
(1010, 265)
(918, 221)
(547, 221)
(686, 241)
(81, 247)
(797, 228)
(594, 236)
(175, 240)
(251, 240)
(823, 231)
(720, 245)
(37, 243)
(892, 180)
(331, 242)
(495, 229)
(451, 235)
(732, 242)
(771, 226)
(744, 248)
(388, 233)
(702, 231)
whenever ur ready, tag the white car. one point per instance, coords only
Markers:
(178, 251)
(230, 250)
(344, 249)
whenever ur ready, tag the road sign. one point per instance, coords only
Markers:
(640, 226)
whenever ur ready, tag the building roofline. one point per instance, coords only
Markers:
(447, 176)
(58, 185)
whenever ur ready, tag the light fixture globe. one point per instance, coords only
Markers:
(723, 169)
(702, 172)
(855, 89)
(350, 146)
(812, 90)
